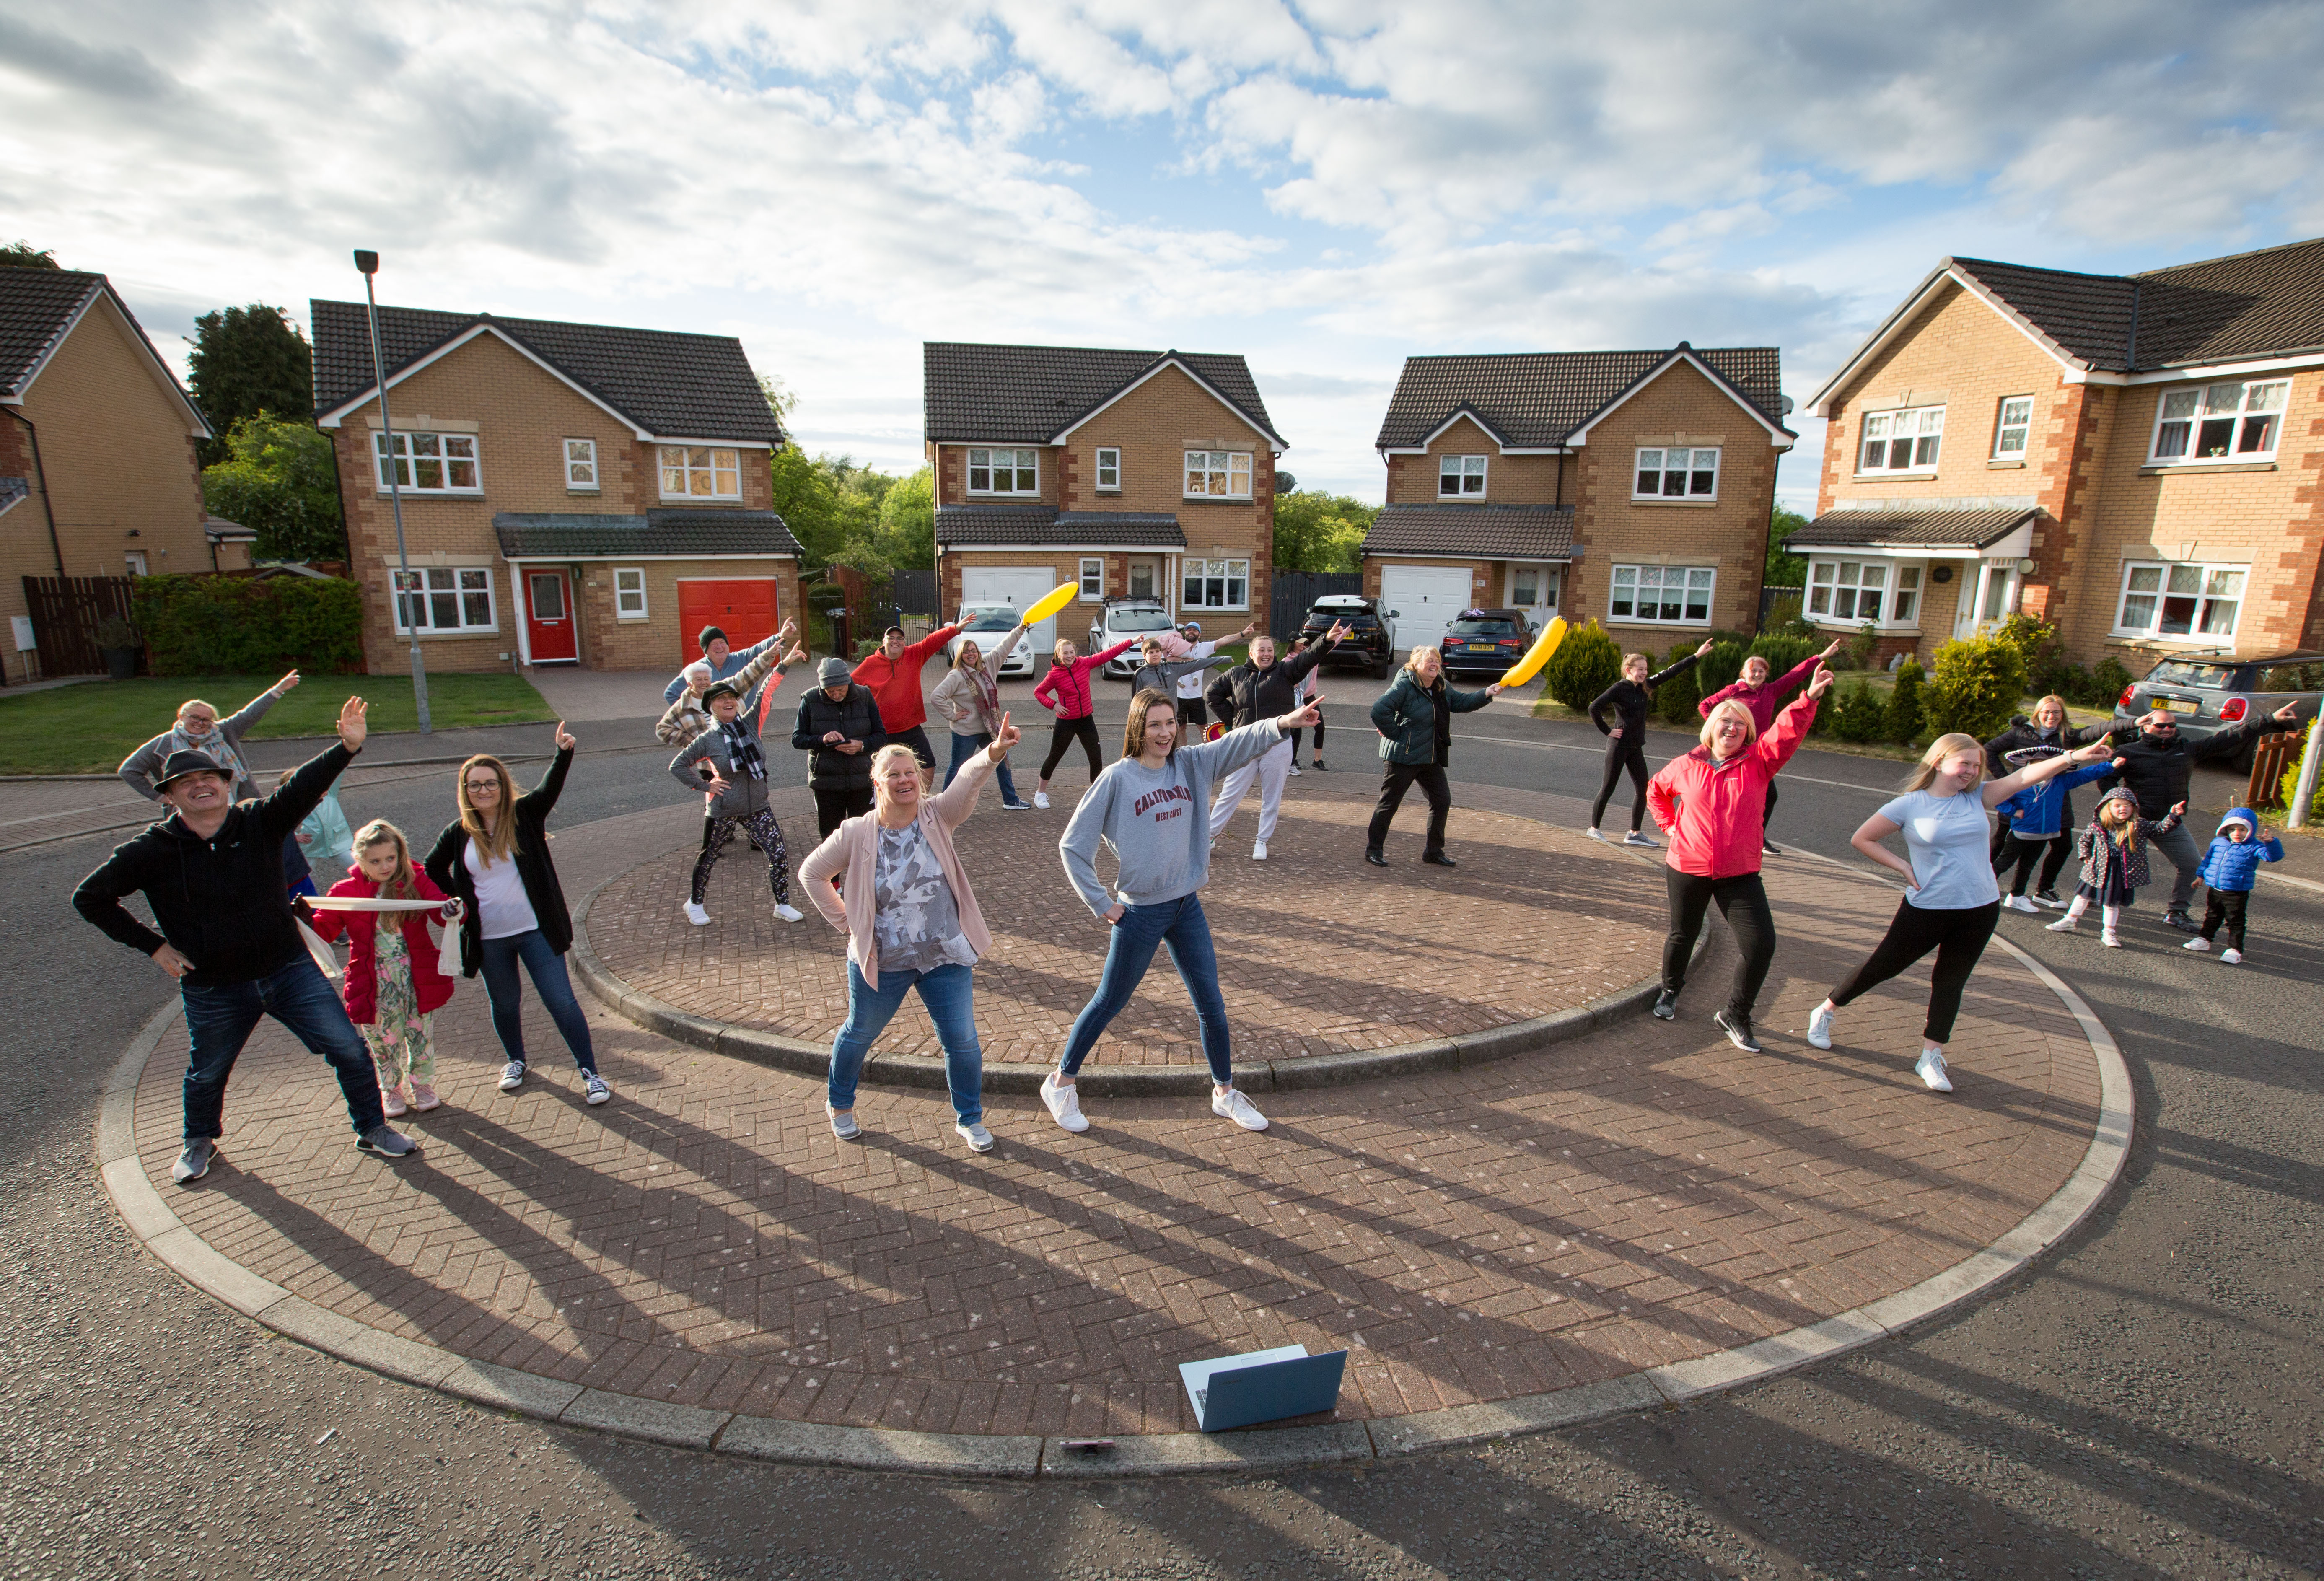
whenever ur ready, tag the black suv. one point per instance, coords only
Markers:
(1371, 631)
(1485, 641)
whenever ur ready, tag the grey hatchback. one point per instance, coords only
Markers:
(2209, 692)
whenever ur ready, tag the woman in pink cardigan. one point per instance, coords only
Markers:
(911, 921)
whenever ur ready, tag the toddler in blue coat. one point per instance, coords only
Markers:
(2230, 871)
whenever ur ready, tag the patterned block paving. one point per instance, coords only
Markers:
(1317, 952)
(1642, 1197)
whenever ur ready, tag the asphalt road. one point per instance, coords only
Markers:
(2145, 1404)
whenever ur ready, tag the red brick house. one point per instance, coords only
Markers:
(573, 494)
(1129, 472)
(1633, 487)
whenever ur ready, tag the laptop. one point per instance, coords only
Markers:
(1262, 1386)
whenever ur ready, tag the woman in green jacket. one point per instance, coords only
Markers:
(1415, 719)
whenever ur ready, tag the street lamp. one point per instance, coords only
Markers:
(369, 264)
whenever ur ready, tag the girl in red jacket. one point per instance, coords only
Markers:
(392, 985)
(1065, 692)
(1712, 804)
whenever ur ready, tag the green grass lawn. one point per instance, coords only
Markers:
(89, 728)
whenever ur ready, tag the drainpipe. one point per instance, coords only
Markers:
(48, 506)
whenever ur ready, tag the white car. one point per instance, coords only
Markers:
(986, 625)
(1126, 617)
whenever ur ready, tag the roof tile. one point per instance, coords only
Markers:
(1535, 399)
(1025, 395)
(681, 530)
(1481, 531)
(971, 526)
(1910, 528)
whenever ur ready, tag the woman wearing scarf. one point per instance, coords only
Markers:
(199, 729)
(727, 760)
(968, 699)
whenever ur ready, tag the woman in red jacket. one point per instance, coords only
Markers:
(1065, 692)
(392, 985)
(1712, 804)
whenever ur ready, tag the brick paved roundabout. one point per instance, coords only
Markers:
(1625, 1218)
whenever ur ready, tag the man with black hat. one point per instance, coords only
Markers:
(893, 674)
(2157, 768)
(839, 723)
(724, 662)
(212, 872)
(736, 779)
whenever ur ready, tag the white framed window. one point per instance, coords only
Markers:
(1460, 477)
(1853, 592)
(1663, 595)
(629, 593)
(1677, 473)
(445, 598)
(135, 560)
(1217, 584)
(580, 463)
(2012, 424)
(1108, 469)
(701, 472)
(428, 463)
(1093, 577)
(2219, 422)
(1004, 472)
(1217, 474)
(2174, 598)
(1904, 440)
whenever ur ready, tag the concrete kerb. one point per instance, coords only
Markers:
(957, 1456)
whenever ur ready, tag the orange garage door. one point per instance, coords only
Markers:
(743, 610)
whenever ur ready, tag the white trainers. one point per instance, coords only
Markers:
(2020, 903)
(1294, 771)
(2198, 942)
(1065, 1103)
(842, 1124)
(2063, 925)
(594, 1090)
(1643, 841)
(2233, 958)
(1233, 1105)
(978, 1138)
(1819, 1027)
(2110, 938)
(511, 1075)
(1595, 835)
(1258, 850)
(697, 915)
(1041, 799)
(788, 912)
(1932, 1066)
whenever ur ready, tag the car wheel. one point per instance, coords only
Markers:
(1380, 671)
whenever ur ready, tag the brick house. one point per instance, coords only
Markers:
(572, 493)
(99, 472)
(2134, 457)
(1129, 472)
(1633, 487)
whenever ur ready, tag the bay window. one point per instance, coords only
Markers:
(1217, 474)
(1854, 592)
(2219, 422)
(428, 463)
(1661, 595)
(1904, 440)
(1217, 584)
(2174, 598)
(1004, 472)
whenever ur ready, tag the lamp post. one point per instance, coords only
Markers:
(368, 263)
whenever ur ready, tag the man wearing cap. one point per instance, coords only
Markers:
(212, 873)
(2157, 767)
(839, 723)
(724, 661)
(893, 674)
(726, 760)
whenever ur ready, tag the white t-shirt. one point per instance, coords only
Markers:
(503, 907)
(1947, 837)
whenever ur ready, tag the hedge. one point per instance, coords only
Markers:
(242, 626)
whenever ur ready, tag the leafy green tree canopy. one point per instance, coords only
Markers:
(25, 255)
(249, 360)
(279, 480)
(1784, 570)
(1317, 531)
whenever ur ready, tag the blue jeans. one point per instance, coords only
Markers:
(219, 1021)
(949, 992)
(1181, 926)
(548, 980)
(964, 747)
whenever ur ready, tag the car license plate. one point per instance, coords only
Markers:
(2181, 705)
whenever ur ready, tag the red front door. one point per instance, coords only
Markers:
(548, 617)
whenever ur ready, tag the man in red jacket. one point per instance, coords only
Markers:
(892, 675)
(1763, 697)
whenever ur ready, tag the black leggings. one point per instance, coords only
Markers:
(1064, 732)
(1743, 901)
(2052, 849)
(1622, 752)
(1958, 935)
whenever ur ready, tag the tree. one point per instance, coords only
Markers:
(1316, 531)
(1976, 687)
(25, 255)
(280, 479)
(908, 521)
(246, 361)
(1784, 570)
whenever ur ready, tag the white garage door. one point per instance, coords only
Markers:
(1427, 599)
(1021, 586)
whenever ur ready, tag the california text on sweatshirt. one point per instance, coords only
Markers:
(1156, 821)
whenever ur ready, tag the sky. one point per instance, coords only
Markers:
(1325, 188)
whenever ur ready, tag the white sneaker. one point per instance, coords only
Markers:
(511, 1075)
(1643, 841)
(788, 912)
(697, 915)
(843, 1124)
(2198, 942)
(1065, 1103)
(2020, 903)
(594, 1090)
(2110, 938)
(1932, 1066)
(1233, 1105)
(1041, 799)
(2063, 925)
(978, 1138)
(1819, 1027)
(1258, 851)
(1595, 835)
(1294, 771)
(2233, 958)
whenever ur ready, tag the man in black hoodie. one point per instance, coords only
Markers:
(212, 873)
(1263, 687)
(2156, 766)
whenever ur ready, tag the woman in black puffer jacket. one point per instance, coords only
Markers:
(2047, 727)
(1629, 698)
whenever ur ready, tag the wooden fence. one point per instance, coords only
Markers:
(65, 613)
(2270, 759)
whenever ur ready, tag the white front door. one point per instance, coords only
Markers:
(1425, 600)
(1992, 594)
(1023, 586)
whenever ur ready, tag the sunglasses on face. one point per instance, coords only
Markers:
(2163, 729)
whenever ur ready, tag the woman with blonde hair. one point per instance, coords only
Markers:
(968, 699)
(1414, 720)
(1712, 804)
(1951, 900)
(912, 924)
(494, 856)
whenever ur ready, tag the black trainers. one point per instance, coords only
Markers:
(1738, 1028)
(1667, 1004)
(2181, 921)
(1374, 854)
(1768, 847)
(2049, 898)
(195, 1162)
(387, 1141)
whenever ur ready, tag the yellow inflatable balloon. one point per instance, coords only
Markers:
(1526, 668)
(1052, 602)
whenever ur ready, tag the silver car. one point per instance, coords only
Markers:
(985, 624)
(2210, 693)
(1136, 618)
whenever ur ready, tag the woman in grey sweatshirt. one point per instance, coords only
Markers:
(1151, 807)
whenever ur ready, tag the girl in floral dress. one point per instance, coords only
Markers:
(393, 987)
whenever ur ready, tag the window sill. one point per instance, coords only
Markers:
(1661, 500)
(1831, 623)
(473, 634)
(1661, 625)
(572, 488)
(631, 619)
(2208, 644)
(989, 495)
(432, 493)
(2169, 468)
(1104, 490)
(670, 499)
(2004, 467)
(1216, 499)
(1928, 476)
(1459, 500)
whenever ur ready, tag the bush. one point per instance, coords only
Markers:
(1675, 698)
(1975, 689)
(214, 625)
(1586, 663)
(1784, 619)
(2108, 680)
(2290, 787)
(1902, 721)
(1782, 653)
(1860, 716)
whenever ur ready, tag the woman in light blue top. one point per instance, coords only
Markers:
(1950, 899)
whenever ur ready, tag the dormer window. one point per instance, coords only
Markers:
(1460, 477)
(1004, 472)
